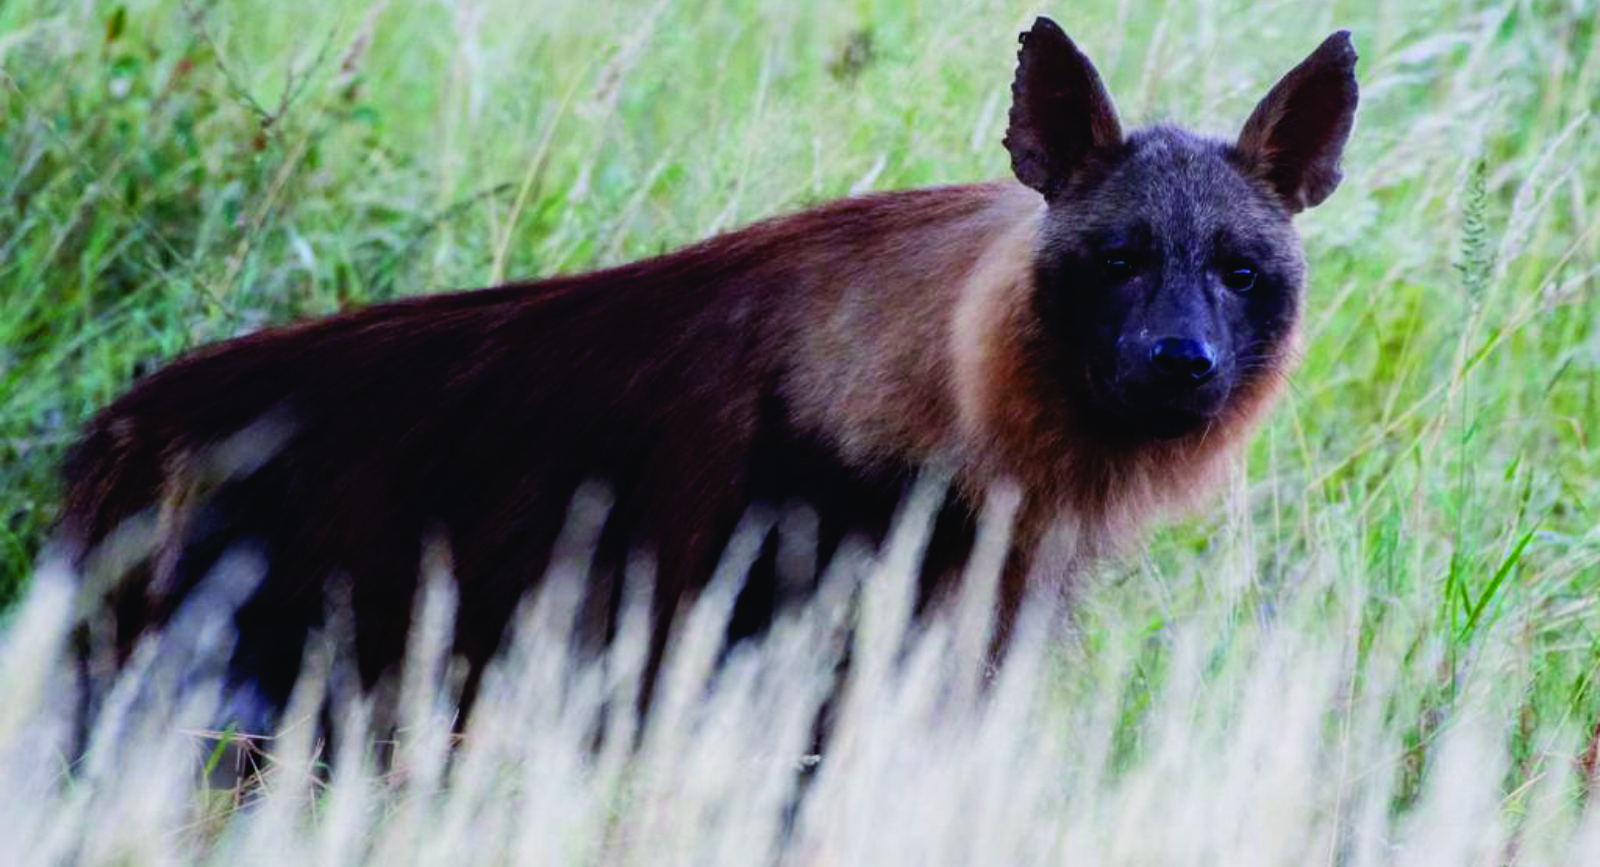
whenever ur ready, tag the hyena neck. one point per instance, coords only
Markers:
(914, 336)
(874, 316)
(984, 407)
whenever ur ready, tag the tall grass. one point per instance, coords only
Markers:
(1379, 646)
(1283, 742)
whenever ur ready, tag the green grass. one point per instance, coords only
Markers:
(174, 173)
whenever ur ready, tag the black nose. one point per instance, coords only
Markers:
(1176, 357)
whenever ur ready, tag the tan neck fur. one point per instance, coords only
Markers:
(923, 343)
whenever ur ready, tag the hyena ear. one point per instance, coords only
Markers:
(1296, 134)
(1061, 116)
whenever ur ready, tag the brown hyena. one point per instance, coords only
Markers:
(1097, 336)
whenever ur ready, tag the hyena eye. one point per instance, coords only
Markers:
(1117, 269)
(1239, 278)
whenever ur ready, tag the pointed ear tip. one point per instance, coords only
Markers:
(1339, 48)
(1043, 26)
(1045, 33)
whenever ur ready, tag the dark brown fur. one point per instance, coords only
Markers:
(824, 357)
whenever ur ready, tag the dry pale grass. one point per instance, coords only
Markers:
(1279, 748)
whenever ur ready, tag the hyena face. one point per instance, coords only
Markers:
(1168, 272)
(1169, 285)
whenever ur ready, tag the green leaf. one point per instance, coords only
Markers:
(117, 24)
(1495, 582)
(215, 758)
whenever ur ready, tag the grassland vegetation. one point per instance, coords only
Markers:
(1378, 646)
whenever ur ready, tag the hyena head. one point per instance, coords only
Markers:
(1168, 274)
